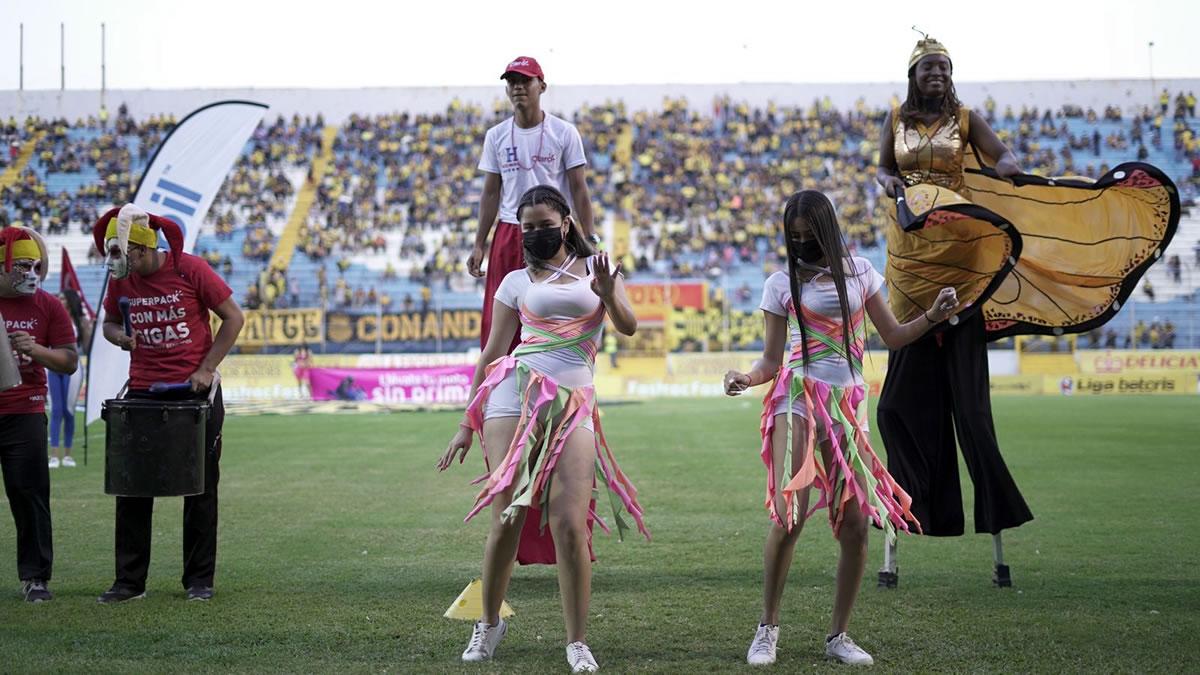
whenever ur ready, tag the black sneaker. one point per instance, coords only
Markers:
(119, 594)
(34, 590)
(200, 593)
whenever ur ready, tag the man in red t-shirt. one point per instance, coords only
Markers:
(170, 296)
(42, 336)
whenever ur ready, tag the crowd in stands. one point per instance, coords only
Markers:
(699, 188)
(272, 289)
(1159, 334)
(110, 153)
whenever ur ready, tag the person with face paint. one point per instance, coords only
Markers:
(536, 415)
(42, 337)
(171, 342)
(530, 148)
(817, 400)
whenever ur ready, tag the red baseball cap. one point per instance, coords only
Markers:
(525, 65)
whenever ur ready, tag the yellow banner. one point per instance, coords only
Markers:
(260, 378)
(427, 327)
(270, 378)
(685, 374)
(710, 364)
(1143, 383)
(1096, 361)
(713, 329)
(278, 327)
(1004, 385)
(1048, 364)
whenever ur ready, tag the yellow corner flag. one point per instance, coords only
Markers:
(469, 604)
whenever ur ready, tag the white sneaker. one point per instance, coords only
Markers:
(484, 640)
(762, 650)
(580, 658)
(842, 648)
(68, 461)
(53, 462)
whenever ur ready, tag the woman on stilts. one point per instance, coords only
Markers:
(1026, 255)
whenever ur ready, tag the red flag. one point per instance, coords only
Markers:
(68, 279)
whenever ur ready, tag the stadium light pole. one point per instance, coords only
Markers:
(21, 59)
(1150, 50)
(103, 66)
(62, 56)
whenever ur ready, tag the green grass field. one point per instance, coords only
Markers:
(341, 546)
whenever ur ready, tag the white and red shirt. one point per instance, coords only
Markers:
(169, 310)
(42, 316)
(526, 158)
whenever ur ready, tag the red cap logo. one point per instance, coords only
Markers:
(525, 65)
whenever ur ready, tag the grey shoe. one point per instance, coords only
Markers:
(200, 593)
(34, 590)
(119, 594)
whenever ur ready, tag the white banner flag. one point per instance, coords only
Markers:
(180, 183)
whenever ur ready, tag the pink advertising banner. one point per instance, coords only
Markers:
(413, 386)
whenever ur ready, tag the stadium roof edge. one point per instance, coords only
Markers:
(337, 104)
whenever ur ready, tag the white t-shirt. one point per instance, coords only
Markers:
(820, 295)
(513, 153)
(558, 301)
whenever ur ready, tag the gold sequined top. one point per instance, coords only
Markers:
(931, 155)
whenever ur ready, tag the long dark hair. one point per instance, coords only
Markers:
(548, 195)
(816, 210)
(75, 311)
(912, 105)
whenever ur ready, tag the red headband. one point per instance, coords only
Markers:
(169, 228)
(10, 236)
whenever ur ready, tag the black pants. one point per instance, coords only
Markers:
(27, 483)
(134, 514)
(931, 394)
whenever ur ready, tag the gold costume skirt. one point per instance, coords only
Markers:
(1037, 256)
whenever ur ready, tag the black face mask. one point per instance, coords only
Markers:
(809, 251)
(542, 243)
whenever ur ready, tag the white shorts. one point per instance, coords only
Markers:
(800, 411)
(505, 401)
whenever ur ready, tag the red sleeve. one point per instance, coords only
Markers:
(61, 330)
(210, 287)
(110, 299)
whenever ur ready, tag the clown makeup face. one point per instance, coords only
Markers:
(140, 260)
(117, 262)
(24, 278)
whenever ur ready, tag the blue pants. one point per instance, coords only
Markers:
(61, 410)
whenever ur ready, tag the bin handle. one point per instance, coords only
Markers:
(164, 387)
